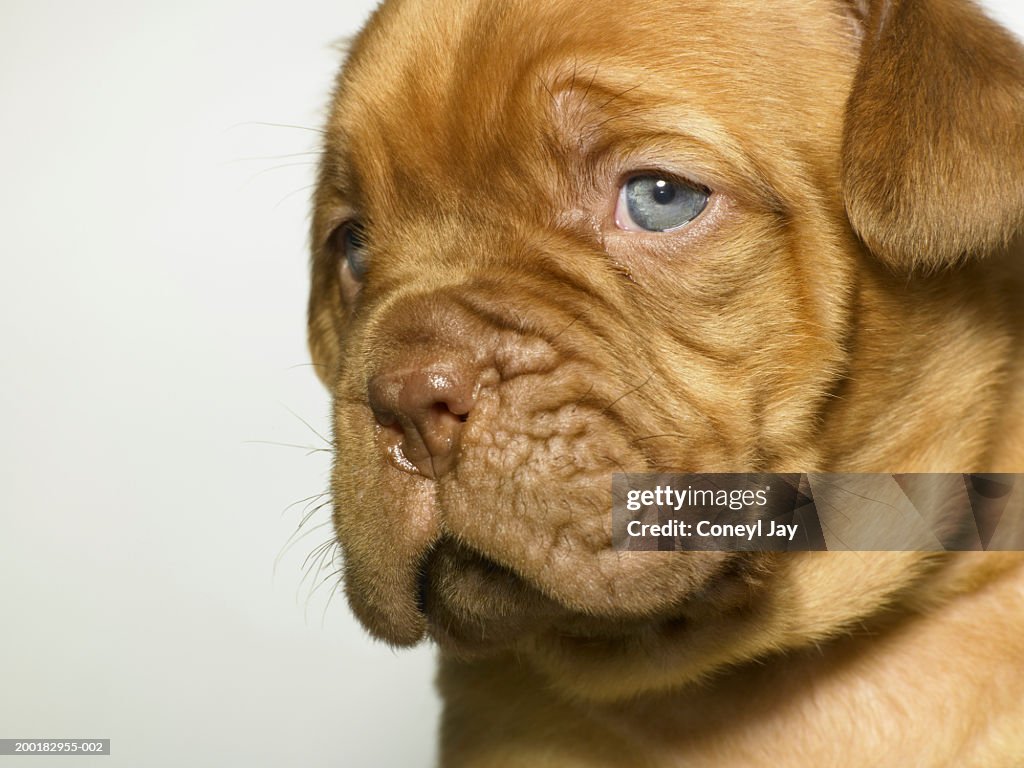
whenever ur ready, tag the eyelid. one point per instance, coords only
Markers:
(329, 221)
(353, 245)
(673, 176)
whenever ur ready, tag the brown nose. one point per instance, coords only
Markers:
(424, 408)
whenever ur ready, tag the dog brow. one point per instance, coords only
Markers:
(598, 110)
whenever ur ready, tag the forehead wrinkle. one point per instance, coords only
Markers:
(577, 101)
(603, 114)
(437, 130)
(462, 121)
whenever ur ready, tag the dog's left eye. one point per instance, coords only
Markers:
(649, 203)
(353, 247)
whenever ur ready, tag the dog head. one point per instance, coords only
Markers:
(554, 243)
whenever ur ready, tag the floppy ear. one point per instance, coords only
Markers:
(933, 142)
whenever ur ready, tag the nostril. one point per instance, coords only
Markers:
(441, 409)
(441, 416)
(422, 410)
(385, 419)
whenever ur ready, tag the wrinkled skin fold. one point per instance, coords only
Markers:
(848, 300)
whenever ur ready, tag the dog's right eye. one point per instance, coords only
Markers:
(351, 244)
(651, 203)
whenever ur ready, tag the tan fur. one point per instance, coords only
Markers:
(851, 300)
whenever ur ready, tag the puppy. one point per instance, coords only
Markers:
(555, 241)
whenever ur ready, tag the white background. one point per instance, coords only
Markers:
(152, 298)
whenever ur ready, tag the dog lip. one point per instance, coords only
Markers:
(473, 604)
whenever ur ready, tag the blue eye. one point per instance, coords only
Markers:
(652, 203)
(353, 245)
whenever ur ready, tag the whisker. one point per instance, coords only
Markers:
(266, 124)
(308, 513)
(255, 158)
(294, 192)
(570, 325)
(627, 393)
(308, 426)
(328, 554)
(308, 448)
(332, 575)
(295, 539)
(281, 166)
(664, 434)
(306, 500)
(618, 95)
(318, 553)
(330, 597)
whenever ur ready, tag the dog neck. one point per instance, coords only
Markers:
(935, 381)
(803, 708)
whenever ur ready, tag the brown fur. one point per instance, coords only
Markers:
(852, 299)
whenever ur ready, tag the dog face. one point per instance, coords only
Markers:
(552, 244)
